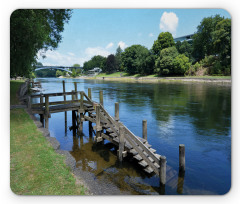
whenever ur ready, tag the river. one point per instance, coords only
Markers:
(195, 114)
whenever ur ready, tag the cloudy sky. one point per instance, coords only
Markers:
(100, 31)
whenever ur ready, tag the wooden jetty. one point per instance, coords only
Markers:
(106, 126)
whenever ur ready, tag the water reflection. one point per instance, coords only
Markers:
(197, 115)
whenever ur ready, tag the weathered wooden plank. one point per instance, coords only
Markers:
(55, 94)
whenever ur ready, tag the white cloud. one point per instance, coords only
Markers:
(150, 35)
(169, 22)
(91, 51)
(109, 45)
(122, 45)
(70, 53)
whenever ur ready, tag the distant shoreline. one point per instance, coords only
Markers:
(160, 79)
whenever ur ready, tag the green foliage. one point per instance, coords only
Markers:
(137, 59)
(222, 41)
(165, 40)
(46, 73)
(185, 48)
(165, 61)
(181, 64)
(76, 65)
(32, 75)
(118, 58)
(32, 30)
(59, 73)
(203, 39)
(96, 61)
(110, 66)
(74, 74)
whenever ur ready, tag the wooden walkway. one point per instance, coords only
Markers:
(106, 127)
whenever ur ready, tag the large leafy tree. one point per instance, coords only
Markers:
(203, 39)
(222, 40)
(110, 66)
(185, 48)
(96, 61)
(165, 40)
(32, 30)
(118, 58)
(137, 59)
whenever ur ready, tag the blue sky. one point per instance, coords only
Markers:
(100, 31)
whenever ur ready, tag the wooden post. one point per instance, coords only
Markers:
(121, 143)
(29, 102)
(98, 125)
(81, 117)
(101, 97)
(163, 170)
(117, 111)
(90, 93)
(73, 112)
(46, 111)
(65, 113)
(181, 158)
(75, 87)
(144, 129)
(41, 115)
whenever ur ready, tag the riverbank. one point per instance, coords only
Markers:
(118, 76)
(37, 167)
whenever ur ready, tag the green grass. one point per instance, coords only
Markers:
(14, 86)
(35, 168)
(117, 74)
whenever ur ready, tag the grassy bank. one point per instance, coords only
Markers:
(14, 86)
(35, 168)
(123, 74)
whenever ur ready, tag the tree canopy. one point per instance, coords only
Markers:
(96, 61)
(110, 64)
(165, 40)
(32, 30)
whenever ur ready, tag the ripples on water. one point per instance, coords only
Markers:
(197, 115)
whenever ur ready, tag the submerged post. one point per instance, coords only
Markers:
(81, 111)
(163, 170)
(117, 111)
(144, 129)
(73, 112)
(98, 125)
(101, 97)
(41, 115)
(181, 158)
(90, 93)
(64, 97)
(46, 111)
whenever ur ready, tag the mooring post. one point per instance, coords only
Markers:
(98, 125)
(162, 170)
(29, 102)
(46, 111)
(64, 97)
(121, 143)
(75, 88)
(144, 129)
(117, 111)
(73, 112)
(41, 115)
(181, 158)
(81, 111)
(101, 97)
(90, 93)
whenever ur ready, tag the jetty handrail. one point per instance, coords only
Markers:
(56, 94)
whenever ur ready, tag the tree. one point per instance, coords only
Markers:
(165, 40)
(164, 64)
(110, 66)
(185, 48)
(74, 74)
(222, 41)
(96, 61)
(76, 65)
(181, 64)
(118, 58)
(59, 73)
(32, 30)
(203, 39)
(137, 59)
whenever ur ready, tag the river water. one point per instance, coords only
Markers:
(195, 114)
